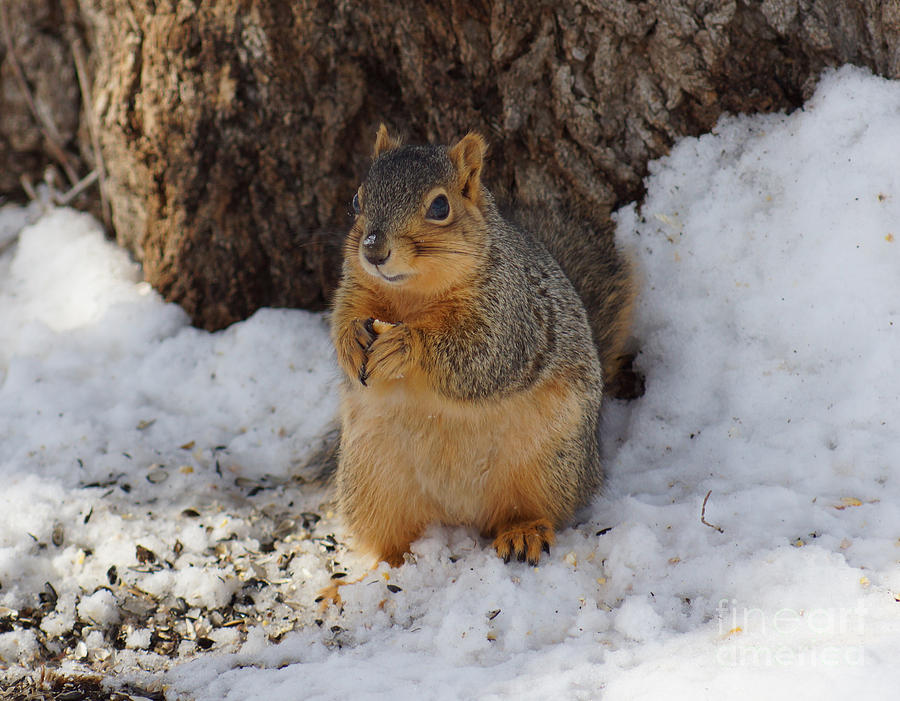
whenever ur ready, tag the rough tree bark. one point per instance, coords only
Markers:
(235, 131)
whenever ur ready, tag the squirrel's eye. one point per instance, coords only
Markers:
(356, 209)
(439, 208)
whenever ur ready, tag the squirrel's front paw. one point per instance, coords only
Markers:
(389, 354)
(353, 346)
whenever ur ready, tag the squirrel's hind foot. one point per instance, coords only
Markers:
(525, 541)
(627, 382)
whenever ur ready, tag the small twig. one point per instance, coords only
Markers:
(47, 127)
(79, 187)
(703, 515)
(86, 100)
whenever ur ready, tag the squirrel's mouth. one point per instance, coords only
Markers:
(399, 277)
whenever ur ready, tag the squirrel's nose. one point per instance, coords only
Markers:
(375, 247)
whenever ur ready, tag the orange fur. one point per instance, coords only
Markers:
(412, 457)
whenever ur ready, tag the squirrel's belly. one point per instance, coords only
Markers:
(425, 445)
(455, 454)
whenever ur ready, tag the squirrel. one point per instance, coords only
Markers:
(474, 350)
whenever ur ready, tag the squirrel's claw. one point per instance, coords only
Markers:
(353, 347)
(526, 541)
(388, 356)
(363, 332)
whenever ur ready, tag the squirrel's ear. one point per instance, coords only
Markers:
(384, 141)
(467, 155)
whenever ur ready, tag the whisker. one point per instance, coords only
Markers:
(324, 239)
(420, 248)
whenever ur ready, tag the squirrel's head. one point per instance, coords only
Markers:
(420, 218)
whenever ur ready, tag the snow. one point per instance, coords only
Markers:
(768, 326)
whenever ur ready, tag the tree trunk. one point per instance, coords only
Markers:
(235, 132)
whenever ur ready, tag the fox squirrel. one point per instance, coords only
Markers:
(473, 372)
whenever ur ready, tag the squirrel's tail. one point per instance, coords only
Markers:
(604, 278)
